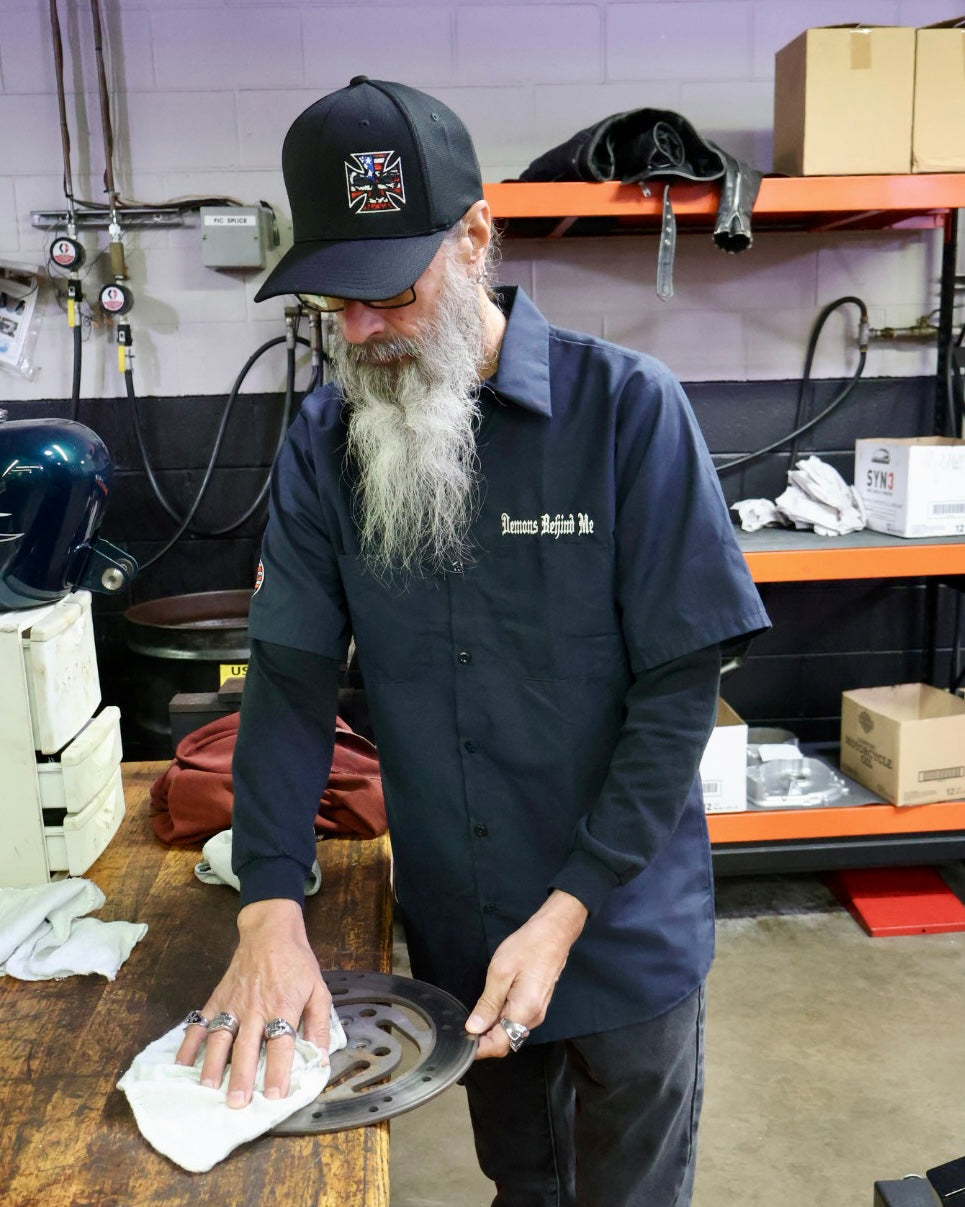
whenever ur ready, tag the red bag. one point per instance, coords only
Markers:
(192, 799)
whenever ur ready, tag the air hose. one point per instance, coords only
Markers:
(185, 522)
(801, 427)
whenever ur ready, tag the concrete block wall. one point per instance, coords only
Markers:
(203, 91)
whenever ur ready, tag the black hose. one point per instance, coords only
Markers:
(129, 385)
(184, 522)
(286, 419)
(956, 404)
(800, 428)
(75, 385)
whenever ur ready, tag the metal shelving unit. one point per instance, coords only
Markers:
(796, 839)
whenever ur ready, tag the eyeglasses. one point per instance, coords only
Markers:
(330, 305)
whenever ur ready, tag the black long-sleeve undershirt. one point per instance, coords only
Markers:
(281, 765)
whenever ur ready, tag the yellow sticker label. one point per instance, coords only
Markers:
(231, 670)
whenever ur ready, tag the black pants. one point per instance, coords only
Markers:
(607, 1120)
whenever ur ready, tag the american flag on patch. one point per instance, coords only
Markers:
(374, 182)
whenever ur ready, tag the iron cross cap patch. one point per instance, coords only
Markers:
(374, 182)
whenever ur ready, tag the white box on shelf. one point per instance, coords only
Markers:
(913, 486)
(723, 767)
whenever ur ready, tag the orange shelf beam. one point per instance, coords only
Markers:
(784, 825)
(895, 561)
(780, 198)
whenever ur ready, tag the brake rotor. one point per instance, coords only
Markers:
(406, 1043)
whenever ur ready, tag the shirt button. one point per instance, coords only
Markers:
(480, 831)
(469, 747)
(464, 657)
(489, 909)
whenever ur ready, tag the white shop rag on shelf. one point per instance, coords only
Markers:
(816, 497)
(44, 934)
(192, 1124)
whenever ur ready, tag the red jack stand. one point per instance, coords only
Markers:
(899, 901)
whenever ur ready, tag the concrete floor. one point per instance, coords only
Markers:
(834, 1060)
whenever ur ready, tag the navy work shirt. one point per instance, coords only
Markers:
(501, 692)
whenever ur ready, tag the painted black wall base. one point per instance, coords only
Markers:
(827, 637)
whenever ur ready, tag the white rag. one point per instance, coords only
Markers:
(43, 933)
(215, 865)
(192, 1124)
(816, 497)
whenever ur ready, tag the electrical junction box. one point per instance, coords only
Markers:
(234, 236)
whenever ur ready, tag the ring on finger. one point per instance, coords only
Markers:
(516, 1033)
(194, 1018)
(223, 1021)
(275, 1028)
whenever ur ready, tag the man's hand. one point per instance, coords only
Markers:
(273, 974)
(524, 970)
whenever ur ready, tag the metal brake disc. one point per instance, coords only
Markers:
(406, 1044)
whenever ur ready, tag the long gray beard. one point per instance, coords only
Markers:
(411, 436)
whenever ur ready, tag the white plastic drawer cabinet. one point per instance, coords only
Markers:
(73, 846)
(61, 794)
(61, 668)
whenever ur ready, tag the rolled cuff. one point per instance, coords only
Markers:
(278, 876)
(585, 878)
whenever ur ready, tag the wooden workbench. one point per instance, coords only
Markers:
(68, 1137)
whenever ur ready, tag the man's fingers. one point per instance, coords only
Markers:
(279, 1054)
(494, 1044)
(217, 1052)
(244, 1055)
(317, 1021)
(488, 1009)
(194, 1037)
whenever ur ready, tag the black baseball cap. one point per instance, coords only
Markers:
(376, 174)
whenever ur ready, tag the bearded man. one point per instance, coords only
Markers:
(522, 530)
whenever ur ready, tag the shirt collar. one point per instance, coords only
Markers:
(523, 373)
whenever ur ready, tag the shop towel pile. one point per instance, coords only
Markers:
(45, 935)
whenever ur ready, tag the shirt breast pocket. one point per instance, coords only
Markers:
(559, 615)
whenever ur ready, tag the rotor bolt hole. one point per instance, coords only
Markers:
(368, 1012)
(381, 1051)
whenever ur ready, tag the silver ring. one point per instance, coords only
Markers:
(518, 1034)
(195, 1018)
(223, 1021)
(275, 1028)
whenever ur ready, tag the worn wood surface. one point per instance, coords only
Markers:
(67, 1135)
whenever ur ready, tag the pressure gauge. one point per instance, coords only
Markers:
(67, 253)
(116, 299)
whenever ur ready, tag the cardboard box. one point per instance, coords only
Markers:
(906, 742)
(843, 99)
(913, 486)
(938, 132)
(723, 768)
